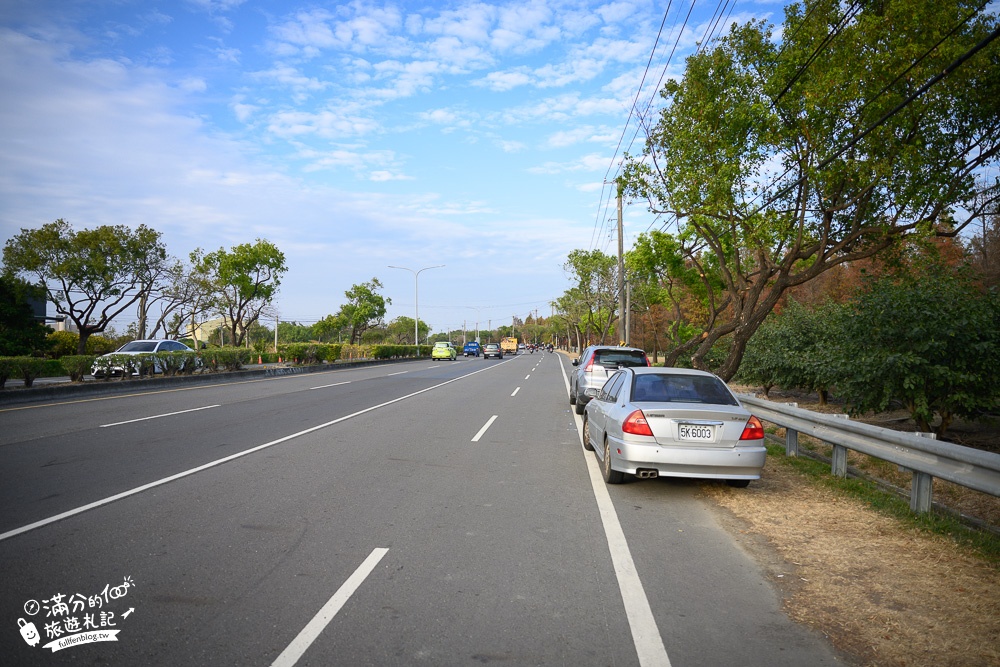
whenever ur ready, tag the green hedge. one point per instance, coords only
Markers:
(26, 368)
(77, 365)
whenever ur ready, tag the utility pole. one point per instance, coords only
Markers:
(622, 332)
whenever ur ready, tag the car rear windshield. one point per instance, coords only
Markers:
(655, 388)
(139, 346)
(616, 358)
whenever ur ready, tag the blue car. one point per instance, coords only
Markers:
(471, 349)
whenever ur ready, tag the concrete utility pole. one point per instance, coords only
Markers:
(622, 332)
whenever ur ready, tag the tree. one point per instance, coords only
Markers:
(782, 164)
(365, 307)
(590, 306)
(20, 333)
(401, 328)
(930, 340)
(98, 273)
(180, 294)
(245, 280)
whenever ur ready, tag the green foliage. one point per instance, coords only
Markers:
(98, 271)
(931, 341)
(77, 365)
(217, 359)
(365, 307)
(245, 280)
(20, 332)
(27, 368)
(794, 350)
(780, 165)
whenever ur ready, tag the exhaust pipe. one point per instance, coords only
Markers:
(647, 473)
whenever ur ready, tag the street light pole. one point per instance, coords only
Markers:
(416, 310)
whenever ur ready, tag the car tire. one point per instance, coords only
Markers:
(589, 446)
(572, 396)
(580, 407)
(610, 475)
(738, 483)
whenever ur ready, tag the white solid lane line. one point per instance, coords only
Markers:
(313, 628)
(645, 635)
(485, 428)
(169, 414)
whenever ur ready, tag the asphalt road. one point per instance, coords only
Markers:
(438, 513)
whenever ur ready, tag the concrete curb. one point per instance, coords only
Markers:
(95, 388)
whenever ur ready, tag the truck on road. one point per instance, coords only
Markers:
(509, 345)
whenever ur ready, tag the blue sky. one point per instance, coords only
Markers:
(353, 135)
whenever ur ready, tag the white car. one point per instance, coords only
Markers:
(137, 347)
(673, 422)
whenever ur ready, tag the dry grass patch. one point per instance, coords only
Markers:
(884, 593)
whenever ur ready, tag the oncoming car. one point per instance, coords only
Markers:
(673, 422)
(444, 350)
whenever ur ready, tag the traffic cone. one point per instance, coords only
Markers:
(260, 360)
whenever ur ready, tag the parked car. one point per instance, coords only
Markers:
(471, 348)
(137, 347)
(673, 422)
(492, 350)
(595, 366)
(444, 350)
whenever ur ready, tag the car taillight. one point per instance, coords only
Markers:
(636, 424)
(590, 365)
(754, 430)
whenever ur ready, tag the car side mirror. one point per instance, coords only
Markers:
(576, 362)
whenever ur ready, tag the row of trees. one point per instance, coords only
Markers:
(864, 131)
(93, 276)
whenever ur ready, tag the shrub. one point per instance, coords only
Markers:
(77, 365)
(28, 368)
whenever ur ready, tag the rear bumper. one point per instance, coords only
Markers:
(714, 463)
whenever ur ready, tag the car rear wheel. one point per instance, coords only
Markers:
(610, 475)
(581, 407)
(586, 435)
(572, 397)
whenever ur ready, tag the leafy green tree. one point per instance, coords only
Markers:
(400, 330)
(93, 275)
(793, 349)
(365, 308)
(931, 341)
(590, 306)
(245, 281)
(784, 158)
(20, 333)
(293, 332)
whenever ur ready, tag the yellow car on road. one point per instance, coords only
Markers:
(444, 350)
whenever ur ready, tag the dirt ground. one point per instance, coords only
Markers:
(886, 594)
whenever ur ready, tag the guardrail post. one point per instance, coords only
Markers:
(791, 437)
(921, 490)
(791, 442)
(839, 463)
(839, 456)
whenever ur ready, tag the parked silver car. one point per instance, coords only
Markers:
(673, 422)
(595, 366)
(137, 347)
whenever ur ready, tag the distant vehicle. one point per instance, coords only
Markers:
(444, 350)
(594, 367)
(521, 346)
(492, 350)
(137, 347)
(673, 422)
(472, 348)
(508, 345)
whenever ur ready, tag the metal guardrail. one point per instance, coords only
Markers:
(926, 458)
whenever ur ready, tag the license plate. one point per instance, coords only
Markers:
(696, 432)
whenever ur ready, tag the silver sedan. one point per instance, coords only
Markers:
(674, 422)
